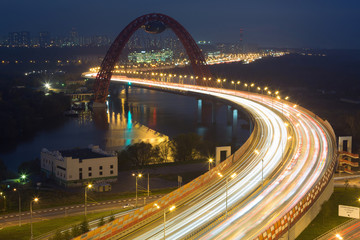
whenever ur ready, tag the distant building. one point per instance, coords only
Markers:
(164, 55)
(213, 54)
(73, 39)
(99, 40)
(44, 39)
(75, 166)
(19, 39)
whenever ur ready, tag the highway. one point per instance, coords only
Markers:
(289, 153)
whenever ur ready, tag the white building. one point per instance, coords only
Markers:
(75, 166)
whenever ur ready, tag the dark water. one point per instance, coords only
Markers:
(145, 115)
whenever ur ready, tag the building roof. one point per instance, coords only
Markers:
(81, 153)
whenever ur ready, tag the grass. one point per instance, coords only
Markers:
(43, 227)
(56, 198)
(328, 217)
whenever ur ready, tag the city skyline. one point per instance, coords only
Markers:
(321, 24)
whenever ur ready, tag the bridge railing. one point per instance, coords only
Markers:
(282, 224)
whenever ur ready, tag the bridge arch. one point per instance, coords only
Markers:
(196, 57)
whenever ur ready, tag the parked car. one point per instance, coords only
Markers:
(127, 205)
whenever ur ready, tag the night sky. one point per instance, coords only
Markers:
(276, 23)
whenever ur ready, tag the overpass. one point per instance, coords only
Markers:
(272, 185)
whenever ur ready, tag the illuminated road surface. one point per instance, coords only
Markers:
(349, 231)
(294, 150)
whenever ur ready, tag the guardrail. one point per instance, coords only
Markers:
(285, 222)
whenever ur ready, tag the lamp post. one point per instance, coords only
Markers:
(232, 176)
(148, 185)
(3, 195)
(219, 81)
(262, 167)
(89, 186)
(15, 190)
(210, 162)
(338, 236)
(31, 225)
(262, 172)
(136, 186)
(170, 210)
(22, 177)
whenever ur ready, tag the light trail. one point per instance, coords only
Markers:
(295, 150)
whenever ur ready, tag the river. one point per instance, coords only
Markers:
(142, 115)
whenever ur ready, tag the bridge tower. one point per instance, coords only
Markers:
(152, 23)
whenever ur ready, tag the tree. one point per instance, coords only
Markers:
(185, 147)
(32, 166)
(163, 151)
(84, 226)
(140, 154)
(67, 235)
(124, 161)
(111, 218)
(75, 231)
(57, 236)
(101, 222)
(207, 148)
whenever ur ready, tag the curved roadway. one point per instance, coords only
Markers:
(290, 152)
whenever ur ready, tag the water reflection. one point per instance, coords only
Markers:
(121, 129)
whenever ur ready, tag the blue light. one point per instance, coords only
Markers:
(129, 123)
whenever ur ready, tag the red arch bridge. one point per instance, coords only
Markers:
(272, 186)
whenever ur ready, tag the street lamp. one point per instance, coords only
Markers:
(89, 186)
(338, 236)
(210, 162)
(15, 190)
(219, 81)
(262, 167)
(136, 185)
(31, 225)
(233, 83)
(23, 177)
(3, 195)
(232, 176)
(172, 208)
(47, 86)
